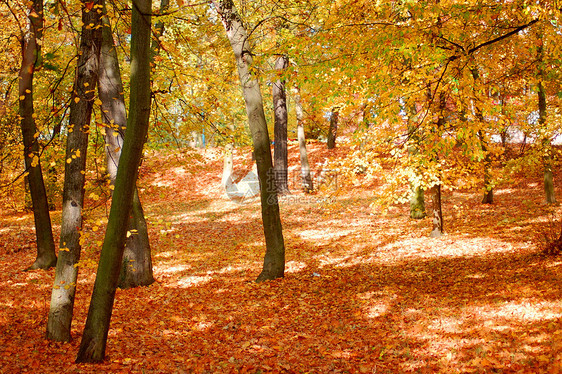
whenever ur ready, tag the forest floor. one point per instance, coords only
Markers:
(364, 292)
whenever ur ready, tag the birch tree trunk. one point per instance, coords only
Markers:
(94, 338)
(274, 259)
(31, 52)
(64, 288)
(307, 184)
(280, 165)
(137, 260)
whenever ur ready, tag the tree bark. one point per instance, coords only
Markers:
(31, 52)
(333, 130)
(488, 197)
(437, 221)
(274, 259)
(64, 288)
(137, 260)
(550, 197)
(307, 184)
(94, 338)
(280, 165)
(437, 213)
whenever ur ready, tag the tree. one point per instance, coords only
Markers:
(66, 274)
(307, 184)
(94, 338)
(31, 40)
(545, 139)
(437, 212)
(137, 261)
(333, 129)
(280, 127)
(274, 259)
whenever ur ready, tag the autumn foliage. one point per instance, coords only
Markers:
(365, 291)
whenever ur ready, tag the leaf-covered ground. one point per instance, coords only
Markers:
(364, 292)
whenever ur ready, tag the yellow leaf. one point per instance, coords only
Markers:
(22, 97)
(76, 100)
(64, 249)
(95, 228)
(98, 102)
(35, 161)
(86, 84)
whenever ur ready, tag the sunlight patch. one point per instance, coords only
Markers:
(323, 234)
(193, 280)
(524, 311)
(294, 266)
(171, 269)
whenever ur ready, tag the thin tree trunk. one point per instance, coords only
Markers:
(280, 164)
(333, 130)
(307, 184)
(137, 260)
(274, 259)
(437, 220)
(159, 29)
(228, 165)
(31, 52)
(550, 198)
(437, 213)
(64, 288)
(488, 197)
(94, 338)
(547, 146)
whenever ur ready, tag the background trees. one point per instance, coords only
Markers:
(431, 90)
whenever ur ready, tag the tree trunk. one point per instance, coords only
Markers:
(64, 288)
(437, 213)
(280, 129)
(228, 165)
(333, 130)
(159, 29)
(274, 260)
(31, 52)
(307, 185)
(488, 186)
(488, 197)
(94, 338)
(137, 261)
(547, 158)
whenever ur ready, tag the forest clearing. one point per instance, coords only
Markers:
(299, 186)
(363, 292)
